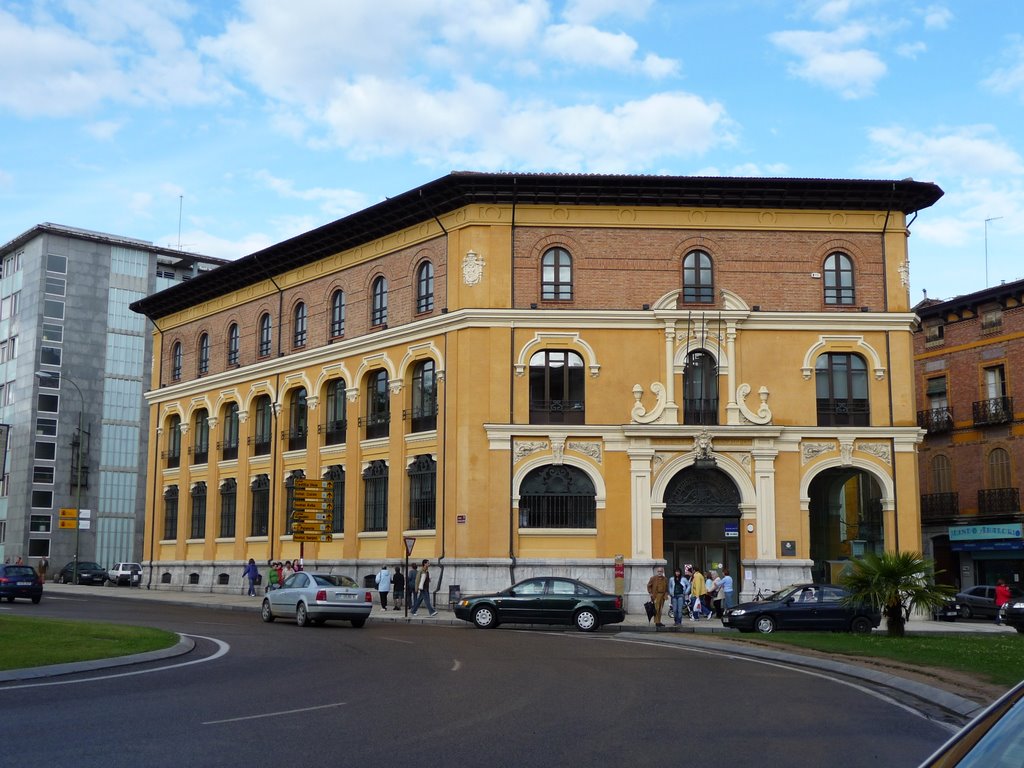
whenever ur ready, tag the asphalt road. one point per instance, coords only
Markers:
(254, 694)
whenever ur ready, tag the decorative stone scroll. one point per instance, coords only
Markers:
(641, 415)
(593, 450)
(522, 449)
(880, 451)
(811, 451)
(764, 413)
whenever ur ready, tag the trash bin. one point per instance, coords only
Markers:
(454, 595)
(370, 581)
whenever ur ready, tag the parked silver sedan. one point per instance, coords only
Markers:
(316, 598)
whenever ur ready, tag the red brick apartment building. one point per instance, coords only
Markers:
(969, 371)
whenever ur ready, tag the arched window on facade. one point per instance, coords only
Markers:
(228, 507)
(204, 354)
(299, 326)
(171, 513)
(698, 278)
(375, 495)
(379, 306)
(233, 344)
(424, 396)
(422, 493)
(200, 437)
(173, 453)
(265, 335)
(197, 530)
(336, 474)
(335, 420)
(557, 496)
(337, 314)
(557, 387)
(229, 445)
(841, 386)
(556, 275)
(263, 426)
(378, 405)
(260, 500)
(298, 424)
(176, 361)
(425, 288)
(839, 289)
(700, 388)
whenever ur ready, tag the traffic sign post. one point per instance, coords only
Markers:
(312, 515)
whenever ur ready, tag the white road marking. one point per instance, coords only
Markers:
(396, 640)
(887, 699)
(222, 649)
(274, 714)
(456, 665)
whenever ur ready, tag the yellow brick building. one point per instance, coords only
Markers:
(543, 373)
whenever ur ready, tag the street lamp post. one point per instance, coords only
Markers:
(78, 479)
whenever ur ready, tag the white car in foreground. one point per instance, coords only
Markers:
(316, 598)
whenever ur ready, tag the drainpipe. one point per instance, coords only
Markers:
(888, 357)
(511, 388)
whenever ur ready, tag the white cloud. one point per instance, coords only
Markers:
(104, 130)
(589, 46)
(201, 241)
(334, 202)
(968, 151)
(911, 50)
(1009, 79)
(937, 17)
(589, 11)
(827, 59)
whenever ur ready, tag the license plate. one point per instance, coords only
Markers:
(344, 596)
(24, 583)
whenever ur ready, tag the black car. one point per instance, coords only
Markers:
(993, 739)
(1012, 614)
(88, 573)
(544, 600)
(803, 606)
(20, 581)
(948, 611)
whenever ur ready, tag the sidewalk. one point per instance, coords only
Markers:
(633, 622)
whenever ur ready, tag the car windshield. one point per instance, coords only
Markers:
(1002, 745)
(89, 566)
(786, 592)
(20, 570)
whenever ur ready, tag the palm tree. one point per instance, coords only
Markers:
(895, 583)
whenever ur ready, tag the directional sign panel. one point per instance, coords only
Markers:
(327, 485)
(326, 517)
(310, 527)
(65, 523)
(313, 495)
(312, 537)
(311, 505)
(68, 512)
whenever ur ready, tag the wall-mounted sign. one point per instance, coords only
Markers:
(732, 530)
(987, 531)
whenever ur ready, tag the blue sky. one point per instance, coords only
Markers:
(261, 119)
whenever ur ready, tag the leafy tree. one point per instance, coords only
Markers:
(895, 583)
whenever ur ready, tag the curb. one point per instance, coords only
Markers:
(183, 646)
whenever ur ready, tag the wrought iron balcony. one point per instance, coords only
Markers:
(334, 431)
(557, 412)
(996, 410)
(939, 507)
(228, 450)
(843, 413)
(998, 501)
(936, 420)
(295, 437)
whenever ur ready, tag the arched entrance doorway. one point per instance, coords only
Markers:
(701, 521)
(845, 518)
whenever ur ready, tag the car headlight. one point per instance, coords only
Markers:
(737, 611)
(463, 603)
(1019, 605)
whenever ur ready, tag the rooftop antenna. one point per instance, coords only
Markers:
(994, 218)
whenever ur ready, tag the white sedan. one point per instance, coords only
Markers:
(316, 598)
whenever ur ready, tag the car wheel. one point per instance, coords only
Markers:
(586, 620)
(10, 599)
(485, 617)
(301, 615)
(358, 623)
(966, 612)
(266, 613)
(765, 625)
(37, 599)
(861, 625)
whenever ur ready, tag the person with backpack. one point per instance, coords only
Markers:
(679, 593)
(423, 590)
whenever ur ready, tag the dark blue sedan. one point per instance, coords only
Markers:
(20, 581)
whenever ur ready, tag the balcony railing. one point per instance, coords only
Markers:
(333, 431)
(260, 444)
(172, 458)
(423, 419)
(557, 412)
(998, 501)
(996, 410)
(936, 420)
(939, 507)
(377, 425)
(228, 451)
(700, 410)
(295, 437)
(843, 413)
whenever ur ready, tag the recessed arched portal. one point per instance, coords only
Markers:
(701, 521)
(845, 520)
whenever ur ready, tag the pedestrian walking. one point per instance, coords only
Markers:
(43, 565)
(657, 588)
(251, 572)
(410, 585)
(714, 585)
(383, 586)
(727, 590)
(699, 591)
(398, 587)
(1002, 598)
(679, 593)
(423, 589)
